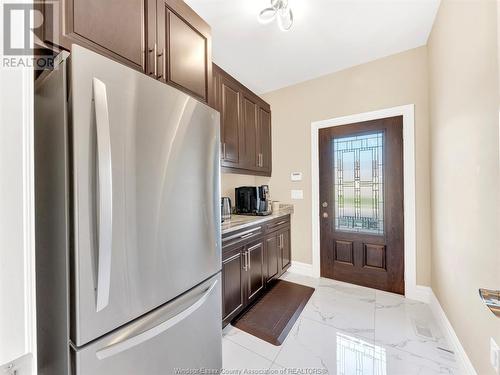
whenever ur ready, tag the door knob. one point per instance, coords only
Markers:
(324, 204)
(325, 215)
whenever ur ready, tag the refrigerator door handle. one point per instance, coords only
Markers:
(105, 194)
(133, 339)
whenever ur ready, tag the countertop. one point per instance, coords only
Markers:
(244, 221)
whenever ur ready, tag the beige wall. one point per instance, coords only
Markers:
(392, 81)
(457, 156)
(463, 81)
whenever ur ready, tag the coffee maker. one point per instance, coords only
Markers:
(253, 200)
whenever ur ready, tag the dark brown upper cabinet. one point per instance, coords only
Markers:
(184, 48)
(245, 127)
(264, 146)
(165, 39)
(228, 103)
(249, 128)
(114, 28)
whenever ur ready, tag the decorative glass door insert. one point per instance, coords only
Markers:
(361, 191)
(359, 183)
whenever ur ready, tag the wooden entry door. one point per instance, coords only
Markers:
(361, 203)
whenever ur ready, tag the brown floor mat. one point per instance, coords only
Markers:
(272, 317)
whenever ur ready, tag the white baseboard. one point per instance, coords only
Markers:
(301, 268)
(452, 337)
(419, 293)
(423, 294)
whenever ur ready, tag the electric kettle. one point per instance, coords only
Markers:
(225, 208)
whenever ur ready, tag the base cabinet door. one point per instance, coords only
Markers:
(284, 242)
(272, 254)
(255, 269)
(233, 283)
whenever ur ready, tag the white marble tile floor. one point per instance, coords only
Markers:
(348, 330)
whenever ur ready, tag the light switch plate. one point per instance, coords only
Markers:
(296, 176)
(297, 194)
(495, 355)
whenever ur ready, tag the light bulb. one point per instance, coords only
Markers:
(285, 19)
(267, 15)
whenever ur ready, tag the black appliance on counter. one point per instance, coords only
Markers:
(252, 200)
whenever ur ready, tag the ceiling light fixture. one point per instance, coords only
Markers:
(279, 10)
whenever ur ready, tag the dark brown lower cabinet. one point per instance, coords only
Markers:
(255, 269)
(251, 260)
(233, 283)
(272, 257)
(285, 249)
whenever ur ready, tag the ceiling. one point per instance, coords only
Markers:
(327, 36)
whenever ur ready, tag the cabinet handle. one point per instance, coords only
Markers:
(150, 51)
(223, 150)
(164, 62)
(278, 223)
(281, 241)
(247, 235)
(155, 49)
(162, 56)
(249, 260)
(163, 69)
(245, 254)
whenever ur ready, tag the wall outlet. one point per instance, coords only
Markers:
(495, 355)
(297, 194)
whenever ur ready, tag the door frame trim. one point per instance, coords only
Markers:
(410, 245)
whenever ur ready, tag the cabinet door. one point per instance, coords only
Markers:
(264, 157)
(233, 283)
(249, 127)
(184, 42)
(272, 257)
(285, 249)
(230, 122)
(115, 28)
(255, 269)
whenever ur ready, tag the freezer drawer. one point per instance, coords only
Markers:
(184, 334)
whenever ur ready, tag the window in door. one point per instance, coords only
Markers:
(359, 183)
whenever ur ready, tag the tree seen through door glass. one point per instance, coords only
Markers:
(359, 183)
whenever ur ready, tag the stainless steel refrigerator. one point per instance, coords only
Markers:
(128, 249)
